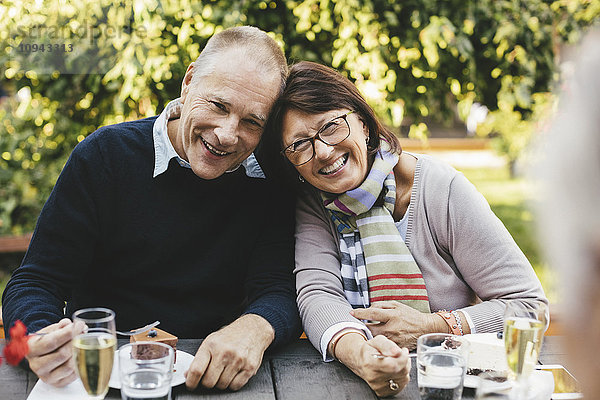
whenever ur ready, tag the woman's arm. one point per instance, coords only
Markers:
(321, 301)
(487, 257)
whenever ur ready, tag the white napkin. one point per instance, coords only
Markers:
(541, 385)
(43, 391)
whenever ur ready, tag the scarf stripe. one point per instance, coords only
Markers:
(398, 276)
(374, 256)
(386, 287)
(407, 297)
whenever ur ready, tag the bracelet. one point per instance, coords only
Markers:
(341, 334)
(458, 321)
(450, 318)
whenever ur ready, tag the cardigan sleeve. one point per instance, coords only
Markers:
(319, 290)
(487, 257)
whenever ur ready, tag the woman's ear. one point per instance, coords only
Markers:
(365, 128)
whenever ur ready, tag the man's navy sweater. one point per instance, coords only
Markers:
(192, 253)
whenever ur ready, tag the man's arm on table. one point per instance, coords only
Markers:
(229, 357)
(61, 246)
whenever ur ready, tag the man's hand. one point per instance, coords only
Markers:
(399, 322)
(51, 356)
(229, 357)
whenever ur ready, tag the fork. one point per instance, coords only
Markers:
(139, 330)
(130, 333)
(382, 356)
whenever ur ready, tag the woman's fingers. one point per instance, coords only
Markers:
(371, 314)
(386, 304)
(386, 347)
(386, 376)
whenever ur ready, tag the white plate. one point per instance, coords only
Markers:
(181, 365)
(472, 381)
(541, 384)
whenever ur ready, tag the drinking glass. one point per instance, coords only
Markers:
(146, 371)
(94, 349)
(441, 366)
(524, 325)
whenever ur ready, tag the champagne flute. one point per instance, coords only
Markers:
(94, 349)
(524, 326)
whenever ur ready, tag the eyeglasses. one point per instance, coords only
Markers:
(331, 133)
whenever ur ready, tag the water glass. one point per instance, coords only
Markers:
(146, 371)
(94, 349)
(441, 366)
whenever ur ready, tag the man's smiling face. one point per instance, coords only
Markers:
(223, 113)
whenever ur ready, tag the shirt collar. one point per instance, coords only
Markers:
(164, 150)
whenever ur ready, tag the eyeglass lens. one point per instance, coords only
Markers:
(332, 133)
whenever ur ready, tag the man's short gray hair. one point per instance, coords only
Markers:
(254, 43)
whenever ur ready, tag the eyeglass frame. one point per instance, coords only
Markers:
(317, 136)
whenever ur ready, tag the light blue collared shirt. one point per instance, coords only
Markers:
(164, 150)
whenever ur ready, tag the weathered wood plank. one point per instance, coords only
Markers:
(553, 350)
(259, 387)
(298, 349)
(13, 382)
(302, 378)
(31, 381)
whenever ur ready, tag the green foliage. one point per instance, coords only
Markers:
(511, 132)
(415, 61)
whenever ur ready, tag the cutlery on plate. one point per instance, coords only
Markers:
(382, 356)
(140, 330)
(130, 333)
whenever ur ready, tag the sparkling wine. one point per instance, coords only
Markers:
(523, 340)
(94, 354)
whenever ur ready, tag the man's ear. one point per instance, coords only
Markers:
(187, 80)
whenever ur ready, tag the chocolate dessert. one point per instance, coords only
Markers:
(142, 352)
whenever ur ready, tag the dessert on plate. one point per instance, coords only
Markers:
(486, 353)
(153, 335)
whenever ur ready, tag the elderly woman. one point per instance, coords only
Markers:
(387, 243)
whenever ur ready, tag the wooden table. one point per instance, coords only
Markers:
(294, 372)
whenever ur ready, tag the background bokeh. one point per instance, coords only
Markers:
(422, 65)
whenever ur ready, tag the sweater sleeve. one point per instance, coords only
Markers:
(320, 294)
(487, 257)
(270, 282)
(62, 244)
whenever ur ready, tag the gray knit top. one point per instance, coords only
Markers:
(468, 259)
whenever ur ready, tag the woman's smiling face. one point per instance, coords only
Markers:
(333, 169)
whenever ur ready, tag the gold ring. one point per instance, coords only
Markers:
(393, 385)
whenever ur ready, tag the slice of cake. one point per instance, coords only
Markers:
(153, 335)
(486, 352)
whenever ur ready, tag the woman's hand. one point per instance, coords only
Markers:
(399, 322)
(357, 354)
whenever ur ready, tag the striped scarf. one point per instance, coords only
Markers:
(388, 270)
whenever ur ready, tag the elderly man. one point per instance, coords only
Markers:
(170, 218)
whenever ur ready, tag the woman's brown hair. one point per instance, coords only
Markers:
(313, 89)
